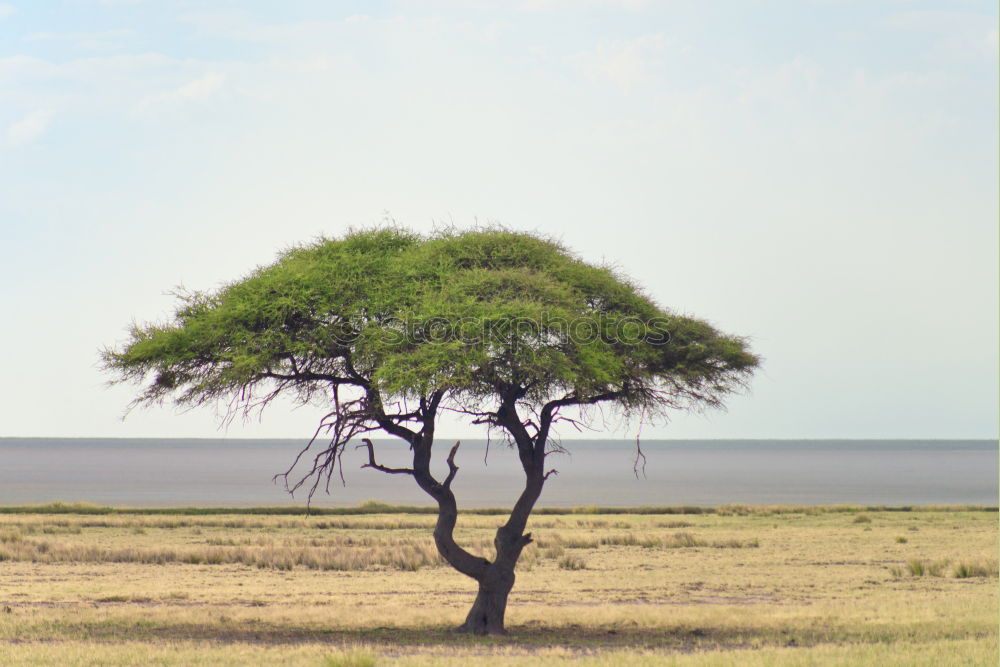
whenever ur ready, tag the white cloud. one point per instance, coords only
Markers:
(536, 5)
(6, 10)
(956, 36)
(16, 67)
(626, 62)
(561, 5)
(139, 67)
(199, 89)
(28, 128)
(321, 33)
(107, 40)
(93, 84)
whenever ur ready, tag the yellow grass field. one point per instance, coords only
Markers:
(740, 585)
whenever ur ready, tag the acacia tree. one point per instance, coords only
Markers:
(388, 329)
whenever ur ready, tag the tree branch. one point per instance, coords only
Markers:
(309, 376)
(452, 468)
(373, 464)
(373, 402)
(550, 409)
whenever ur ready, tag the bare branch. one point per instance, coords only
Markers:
(452, 468)
(551, 409)
(322, 424)
(479, 417)
(638, 452)
(373, 464)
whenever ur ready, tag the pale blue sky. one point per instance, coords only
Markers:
(821, 176)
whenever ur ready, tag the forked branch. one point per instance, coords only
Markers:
(452, 468)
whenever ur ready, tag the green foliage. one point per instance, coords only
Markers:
(572, 563)
(987, 568)
(355, 658)
(920, 568)
(466, 314)
(917, 567)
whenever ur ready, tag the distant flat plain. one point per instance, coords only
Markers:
(238, 473)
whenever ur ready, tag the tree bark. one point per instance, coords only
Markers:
(487, 614)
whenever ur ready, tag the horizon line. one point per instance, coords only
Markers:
(595, 439)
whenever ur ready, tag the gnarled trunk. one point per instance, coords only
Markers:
(495, 578)
(487, 613)
(495, 582)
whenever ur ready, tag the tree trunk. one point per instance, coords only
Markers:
(495, 578)
(487, 613)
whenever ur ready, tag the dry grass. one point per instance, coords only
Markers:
(917, 567)
(330, 553)
(739, 585)
(367, 543)
(984, 568)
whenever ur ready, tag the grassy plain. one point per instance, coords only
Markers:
(735, 585)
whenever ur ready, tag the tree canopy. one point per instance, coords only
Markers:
(470, 314)
(387, 327)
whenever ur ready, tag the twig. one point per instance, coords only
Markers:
(638, 451)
